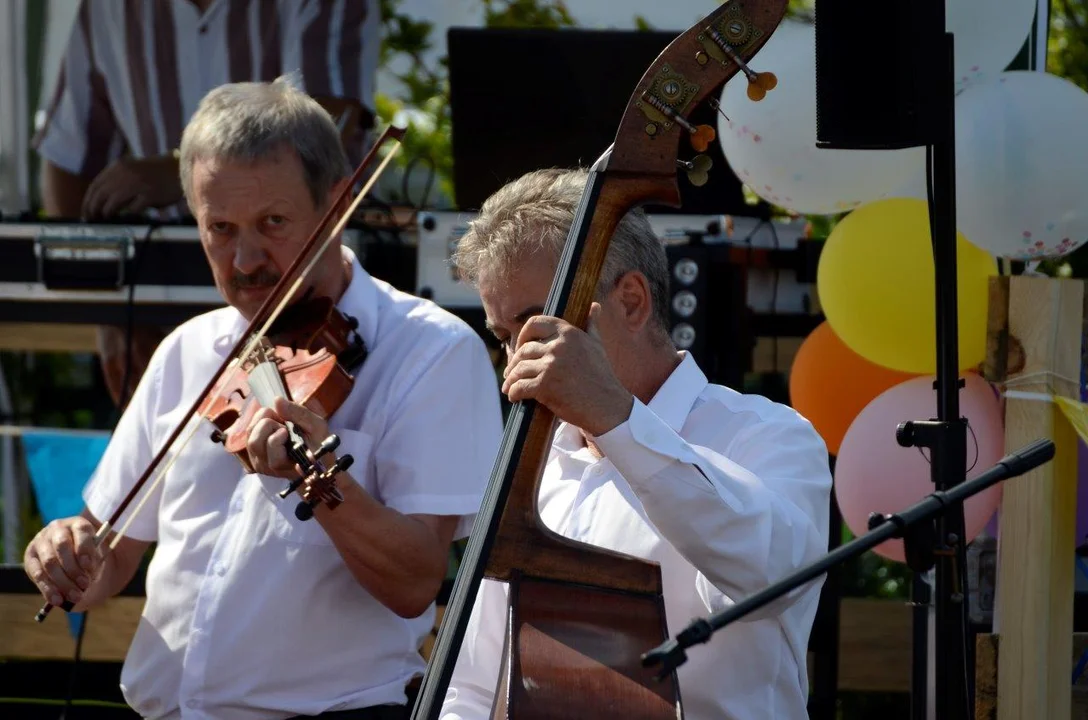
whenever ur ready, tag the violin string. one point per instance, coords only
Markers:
(257, 337)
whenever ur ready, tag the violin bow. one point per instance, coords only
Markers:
(251, 337)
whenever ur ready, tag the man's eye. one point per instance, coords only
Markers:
(275, 220)
(219, 227)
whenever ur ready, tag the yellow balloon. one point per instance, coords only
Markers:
(876, 285)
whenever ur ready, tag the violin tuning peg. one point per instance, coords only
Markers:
(759, 84)
(698, 170)
(702, 163)
(304, 511)
(327, 446)
(701, 137)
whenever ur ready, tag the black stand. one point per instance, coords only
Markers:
(941, 546)
(914, 525)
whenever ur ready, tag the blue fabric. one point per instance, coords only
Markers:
(60, 465)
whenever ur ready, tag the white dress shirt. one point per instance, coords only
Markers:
(758, 511)
(250, 612)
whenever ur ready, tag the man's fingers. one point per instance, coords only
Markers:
(116, 199)
(308, 422)
(525, 370)
(257, 443)
(530, 350)
(36, 572)
(86, 552)
(57, 578)
(276, 451)
(539, 327)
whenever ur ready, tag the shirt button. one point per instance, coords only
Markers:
(192, 704)
(220, 570)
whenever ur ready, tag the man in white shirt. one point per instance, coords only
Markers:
(252, 613)
(727, 492)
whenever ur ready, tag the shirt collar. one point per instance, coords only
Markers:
(360, 301)
(672, 402)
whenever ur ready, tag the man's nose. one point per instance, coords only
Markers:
(249, 256)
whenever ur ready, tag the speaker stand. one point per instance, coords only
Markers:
(943, 547)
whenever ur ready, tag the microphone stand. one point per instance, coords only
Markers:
(943, 546)
(915, 525)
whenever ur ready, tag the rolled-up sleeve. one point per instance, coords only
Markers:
(744, 515)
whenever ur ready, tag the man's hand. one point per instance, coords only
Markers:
(62, 559)
(568, 371)
(132, 185)
(267, 444)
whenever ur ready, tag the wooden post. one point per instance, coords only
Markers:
(1033, 616)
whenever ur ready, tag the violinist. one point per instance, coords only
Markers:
(252, 612)
(727, 492)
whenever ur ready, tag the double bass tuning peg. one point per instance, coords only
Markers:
(698, 169)
(760, 83)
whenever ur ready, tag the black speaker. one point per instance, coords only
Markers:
(880, 66)
(708, 310)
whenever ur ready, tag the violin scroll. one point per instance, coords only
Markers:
(317, 481)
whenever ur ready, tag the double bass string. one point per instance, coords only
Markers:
(257, 337)
(451, 632)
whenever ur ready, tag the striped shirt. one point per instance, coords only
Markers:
(135, 70)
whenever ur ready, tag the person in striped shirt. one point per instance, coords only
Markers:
(133, 74)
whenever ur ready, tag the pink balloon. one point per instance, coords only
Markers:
(873, 473)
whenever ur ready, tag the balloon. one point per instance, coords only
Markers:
(989, 34)
(876, 284)
(873, 473)
(771, 144)
(830, 384)
(1021, 166)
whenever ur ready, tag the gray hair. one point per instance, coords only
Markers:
(536, 212)
(249, 121)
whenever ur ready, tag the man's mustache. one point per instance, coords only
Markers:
(259, 279)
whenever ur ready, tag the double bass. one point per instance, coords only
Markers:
(580, 617)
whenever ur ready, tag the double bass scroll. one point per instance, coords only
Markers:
(580, 616)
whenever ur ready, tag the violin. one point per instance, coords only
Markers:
(310, 343)
(307, 357)
(580, 617)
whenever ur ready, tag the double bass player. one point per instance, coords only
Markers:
(251, 612)
(727, 492)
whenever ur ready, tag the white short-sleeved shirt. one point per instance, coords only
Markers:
(250, 612)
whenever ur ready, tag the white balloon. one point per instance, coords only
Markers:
(988, 35)
(1022, 165)
(771, 144)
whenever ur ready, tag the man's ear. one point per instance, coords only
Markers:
(633, 292)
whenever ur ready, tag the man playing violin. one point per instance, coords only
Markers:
(251, 612)
(727, 492)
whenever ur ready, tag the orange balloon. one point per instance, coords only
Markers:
(830, 384)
